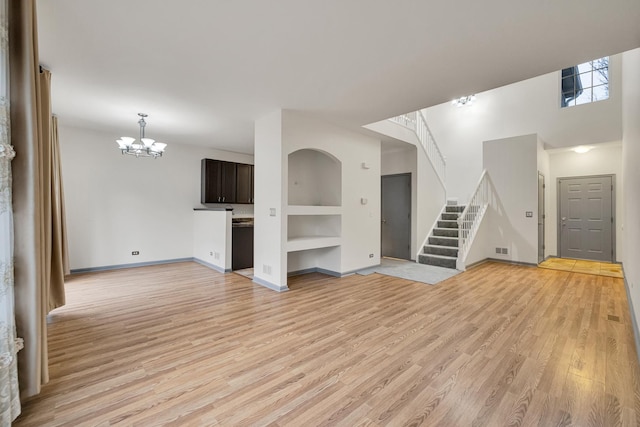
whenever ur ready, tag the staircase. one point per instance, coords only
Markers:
(442, 245)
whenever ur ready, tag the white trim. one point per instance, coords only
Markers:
(212, 266)
(269, 285)
(133, 265)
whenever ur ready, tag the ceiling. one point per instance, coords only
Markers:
(204, 70)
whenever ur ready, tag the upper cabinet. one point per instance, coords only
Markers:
(244, 183)
(226, 182)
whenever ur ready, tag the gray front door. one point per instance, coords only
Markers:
(541, 217)
(396, 216)
(586, 218)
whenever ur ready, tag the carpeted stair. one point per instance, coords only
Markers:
(442, 246)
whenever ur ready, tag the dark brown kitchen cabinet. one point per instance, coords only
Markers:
(218, 180)
(244, 183)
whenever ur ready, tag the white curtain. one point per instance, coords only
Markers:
(9, 344)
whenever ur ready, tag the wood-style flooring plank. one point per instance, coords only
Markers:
(181, 345)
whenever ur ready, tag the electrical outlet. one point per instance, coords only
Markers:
(210, 253)
(498, 250)
(370, 255)
(505, 251)
(266, 269)
(135, 253)
(216, 255)
(529, 214)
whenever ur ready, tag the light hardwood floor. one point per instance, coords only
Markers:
(583, 266)
(182, 345)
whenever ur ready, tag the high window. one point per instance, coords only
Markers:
(584, 83)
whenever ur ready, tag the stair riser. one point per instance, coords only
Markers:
(443, 241)
(450, 216)
(441, 250)
(447, 224)
(456, 208)
(447, 263)
(449, 232)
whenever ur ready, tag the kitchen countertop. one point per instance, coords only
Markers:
(242, 222)
(221, 209)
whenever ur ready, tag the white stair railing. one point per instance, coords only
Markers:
(417, 123)
(407, 120)
(470, 219)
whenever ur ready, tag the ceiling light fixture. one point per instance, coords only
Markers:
(581, 149)
(147, 147)
(465, 100)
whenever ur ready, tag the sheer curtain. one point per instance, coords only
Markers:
(9, 345)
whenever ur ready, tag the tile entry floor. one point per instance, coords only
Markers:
(583, 266)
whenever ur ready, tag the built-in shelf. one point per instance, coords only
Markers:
(303, 243)
(314, 215)
(314, 210)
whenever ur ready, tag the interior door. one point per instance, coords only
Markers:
(586, 217)
(541, 217)
(396, 216)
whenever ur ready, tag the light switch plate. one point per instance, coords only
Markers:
(529, 214)
(272, 211)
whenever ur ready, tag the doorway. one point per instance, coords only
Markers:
(396, 216)
(586, 218)
(541, 217)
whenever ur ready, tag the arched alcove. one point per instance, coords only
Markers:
(315, 178)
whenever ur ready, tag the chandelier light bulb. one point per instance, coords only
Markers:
(464, 100)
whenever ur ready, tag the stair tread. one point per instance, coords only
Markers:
(432, 245)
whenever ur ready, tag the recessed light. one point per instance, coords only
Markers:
(581, 149)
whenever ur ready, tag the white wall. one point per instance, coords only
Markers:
(631, 175)
(528, 107)
(117, 204)
(512, 166)
(212, 238)
(431, 198)
(605, 159)
(277, 136)
(428, 194)
(360, 223)
(270, 232)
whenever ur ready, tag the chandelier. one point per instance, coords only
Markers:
(465, 100)
(147, 147)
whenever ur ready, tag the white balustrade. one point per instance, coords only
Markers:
(417, 123)
(470, 219)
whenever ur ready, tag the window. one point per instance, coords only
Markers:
(584, 83)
